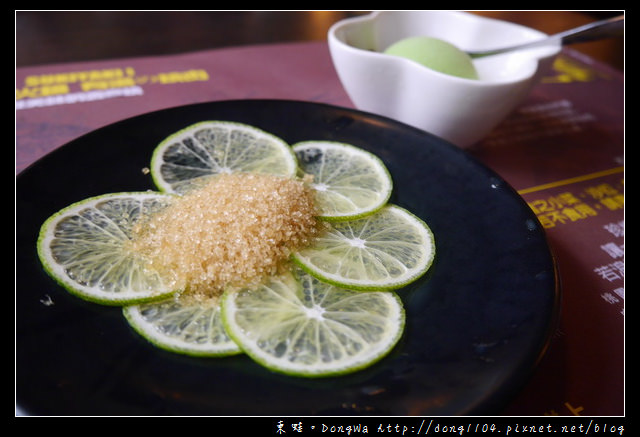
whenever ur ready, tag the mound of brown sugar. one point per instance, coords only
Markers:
(235, 230)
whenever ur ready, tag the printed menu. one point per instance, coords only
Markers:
(562, 150)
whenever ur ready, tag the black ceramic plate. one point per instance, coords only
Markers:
(476, 323)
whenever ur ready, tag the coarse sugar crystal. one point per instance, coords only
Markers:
(234, 230)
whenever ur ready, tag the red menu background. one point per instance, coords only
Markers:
(562, 149)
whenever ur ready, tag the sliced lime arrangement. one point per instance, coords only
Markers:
(84, 248)
(327, 305)
(183, 326)
(350, 182)
(207, 148)
(384, 250)
(299, 325)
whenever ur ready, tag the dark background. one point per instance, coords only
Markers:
(45, 37)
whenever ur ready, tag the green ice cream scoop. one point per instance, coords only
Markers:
(436, 54)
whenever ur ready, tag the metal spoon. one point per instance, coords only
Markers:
(589, 32)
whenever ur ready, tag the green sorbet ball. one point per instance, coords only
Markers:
(435, 54)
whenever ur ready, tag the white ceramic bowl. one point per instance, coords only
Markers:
(459, 110)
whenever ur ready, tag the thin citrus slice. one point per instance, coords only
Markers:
(213, 147)
(84, 248)
(298, 325)
(350, 182)
(182, 325)
(382, 251)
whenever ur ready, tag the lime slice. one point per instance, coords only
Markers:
(298, 325)
(350, 182)
(84, 248)
(382, 251)
(212, 147)
(182, 326)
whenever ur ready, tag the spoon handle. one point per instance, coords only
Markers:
(589, 32)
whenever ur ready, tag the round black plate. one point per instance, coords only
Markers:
(477, 323)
